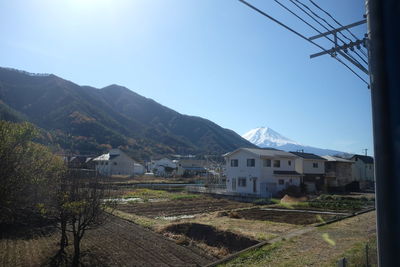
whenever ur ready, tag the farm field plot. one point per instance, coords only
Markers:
(117, 243)
(181, 207)
(285, 216)
(323, 246)
(333, 203)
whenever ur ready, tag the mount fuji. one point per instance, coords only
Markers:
(267, 137)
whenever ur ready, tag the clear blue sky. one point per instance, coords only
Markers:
(216, 59)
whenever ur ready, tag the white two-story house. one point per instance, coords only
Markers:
(262, 172)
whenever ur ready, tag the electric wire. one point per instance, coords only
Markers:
(301, 36)
(338, 23)
(293, 13)
(329, 25)
(329, 15)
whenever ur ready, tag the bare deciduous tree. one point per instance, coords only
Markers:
(83, 207)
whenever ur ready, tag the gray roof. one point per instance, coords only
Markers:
(332, 158)
(107, 156)
(264, 152)
(365, 159)
(307, 155)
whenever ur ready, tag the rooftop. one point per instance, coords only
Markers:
(332, 158)
(268, 152)
(365, 159)
(307, 155)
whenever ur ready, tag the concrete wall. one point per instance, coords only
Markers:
(363, 171)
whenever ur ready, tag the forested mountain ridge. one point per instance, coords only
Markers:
(87, 120)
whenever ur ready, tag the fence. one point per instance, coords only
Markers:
(367, 258)
(209, 189)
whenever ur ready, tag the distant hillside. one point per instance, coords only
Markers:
(89, 120)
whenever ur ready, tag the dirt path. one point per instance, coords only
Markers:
(320, 246)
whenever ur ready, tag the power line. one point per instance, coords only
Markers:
(300, 35)
(327, 13)
(293, 13)
(300, 18)
(324, 20)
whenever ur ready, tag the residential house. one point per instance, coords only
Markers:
(363, 170)
(338, 171)
(312, 170)
(162, 167)
(138, 169)
(191, 167)
(115, 162)
(262, 172)
(79, 162)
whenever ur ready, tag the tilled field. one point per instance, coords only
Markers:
(117, 243)
(300, 218)
(181, 207)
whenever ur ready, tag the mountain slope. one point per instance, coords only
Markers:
(89, 120)
(266, 137)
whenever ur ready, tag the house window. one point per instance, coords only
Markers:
(266, 162)
(251, 162)
(106, 163)
(242, 182)
(290, 180)
(289, 162)
(277, 163)
(281, 181)
(315, 164)
(234, 162)
(115, 163)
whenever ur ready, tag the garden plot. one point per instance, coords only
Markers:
(180, 207)
(217, 242)
(287, 216)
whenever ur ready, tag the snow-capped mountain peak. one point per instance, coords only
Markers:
(267, 137)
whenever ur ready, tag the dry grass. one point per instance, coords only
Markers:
(260, 230)
(320, 247)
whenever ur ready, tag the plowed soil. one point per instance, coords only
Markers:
(211, 236)
(117, 243)
(181, 207)
(300, 218)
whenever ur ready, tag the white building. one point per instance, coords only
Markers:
(115, 162)
(138, 169)
(191, 167)
(363, 170)
(262, 172)
(162, 167)
(312, 170)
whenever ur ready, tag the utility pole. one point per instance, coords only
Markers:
(384, 65)
(365, 151)
(342, 49)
